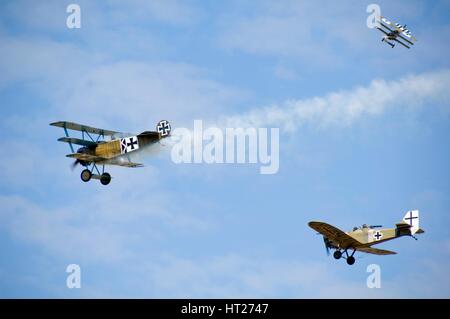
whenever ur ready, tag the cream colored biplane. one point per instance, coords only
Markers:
(96, 151)
(363, 238)
(395, 32)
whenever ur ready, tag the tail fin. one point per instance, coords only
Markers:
(412, 219)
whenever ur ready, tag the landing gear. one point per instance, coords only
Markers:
(86, 175)
(337, 254)
(105, 179)
(351, 260)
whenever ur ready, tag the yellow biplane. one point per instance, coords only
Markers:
(363, 238)
(96, 151)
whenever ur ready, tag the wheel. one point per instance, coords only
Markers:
(105, 179)
(350, 260)
(86, 175)
(337, 254)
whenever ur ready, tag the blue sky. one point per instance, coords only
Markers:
(364, 138)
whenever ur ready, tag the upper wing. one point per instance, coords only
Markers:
(387, 24)
(335, 234)
(84, 128)
(376, 251)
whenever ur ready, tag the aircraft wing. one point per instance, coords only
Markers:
(403, 38)
(335, 235)
(387, 24)
(376, 251)
(382, 30)
(101, 160)
(401, 43)
(77, 141)
(84, 128)
(86, 157)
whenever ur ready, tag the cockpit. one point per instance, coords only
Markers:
(364, 226)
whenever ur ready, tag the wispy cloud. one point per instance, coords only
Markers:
(83, 87)
(236, 276)
(343, 108)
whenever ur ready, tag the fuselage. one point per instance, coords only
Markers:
(373, 236)
(122, 146)
(370, 236)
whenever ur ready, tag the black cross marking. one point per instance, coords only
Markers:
(163, 128)
(132, 143)
(410, 218)
(378, 235)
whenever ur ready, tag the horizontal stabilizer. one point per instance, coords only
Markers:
(120, 161)
(149, 133)
(403, 225)
(376, 251)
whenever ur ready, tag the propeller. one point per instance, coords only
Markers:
(74, 164)
(327, 243)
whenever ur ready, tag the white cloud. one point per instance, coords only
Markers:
(172, 12)
(100, 231)
(50, 16)
(236, 276)
(285, 73)
(295, 29)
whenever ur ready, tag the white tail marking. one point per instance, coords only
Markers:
(412, 218)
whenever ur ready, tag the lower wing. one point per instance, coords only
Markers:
(401, 43)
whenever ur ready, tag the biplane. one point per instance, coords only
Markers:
(363, 238)
(395, 32)
(95, 151)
